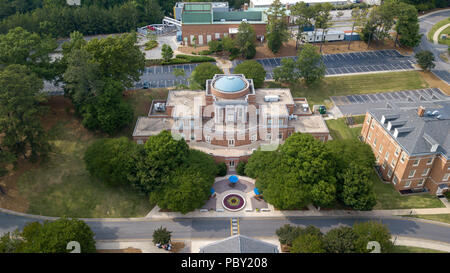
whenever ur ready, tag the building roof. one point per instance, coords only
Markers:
(183, 102)
(259, 3)
(417, 135)
(239, 244)
(310, 124)
(274, 108)
(238, 16)
(230, 84)
(146, 126)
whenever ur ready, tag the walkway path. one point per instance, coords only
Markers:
(436, 34)
(417, 242)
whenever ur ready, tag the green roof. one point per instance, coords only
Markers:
(197, 7)
(237, 16)
(196, 18)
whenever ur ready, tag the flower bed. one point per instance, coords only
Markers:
(233, 202)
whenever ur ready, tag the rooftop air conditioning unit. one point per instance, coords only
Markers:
(160, 107)
(271, 98)
(244, 20)
(222, 20)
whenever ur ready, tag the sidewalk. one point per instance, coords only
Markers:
(418, 242)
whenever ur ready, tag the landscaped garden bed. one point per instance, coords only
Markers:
(233, 202)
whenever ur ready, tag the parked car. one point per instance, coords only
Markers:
(146, 85)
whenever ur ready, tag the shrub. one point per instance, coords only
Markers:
(287, 234)
(240, 169)
(252, 70)
(222, 169)
(215, 46)
(151, 44)
(447, 195)
(161, 236)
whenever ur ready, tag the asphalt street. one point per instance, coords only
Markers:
(442, 69)
(220, 227)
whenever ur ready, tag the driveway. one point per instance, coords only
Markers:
(442, 69)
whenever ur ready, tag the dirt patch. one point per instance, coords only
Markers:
(190, 49)
(177, 247)
(126, 250)
(285, 248)
(434, 81)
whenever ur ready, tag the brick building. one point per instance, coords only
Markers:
(200, 23)
(231, 119)
(411, 146)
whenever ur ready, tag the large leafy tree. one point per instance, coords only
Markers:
(340, 240)
(407, 25)
(203, 72)
(287, 72)
(20, 111)
(252, 70)
(19, 46)
(112, 160)
(277, 26)
(372, 231)
(310, 240)
(245, 40)
(310, 64)
(357, 189)
(161, 236)
(49, 237)
(287, 234)
(425, 59)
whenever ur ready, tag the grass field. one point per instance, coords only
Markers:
(387, 196)
(445, 218)
(340, 130)
(446, 41)
(358, 84)
(61, 186)
(436, 27)
(413, 249)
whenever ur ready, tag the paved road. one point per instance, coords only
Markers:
(220, 227)
(442, 69)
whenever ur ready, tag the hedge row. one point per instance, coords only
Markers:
(180, 59)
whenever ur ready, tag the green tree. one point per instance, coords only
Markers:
(228, 43)
(203, 72)
(178, 72)
(357, 189)
(255, 166)
(166, 52)
(310, 64)
(10, 242)
(310, 240)
(215, 46)
(162, 155)
(252, 70)
(245, 40)
(287, 234)
(323, 20)
(19, 113)
(287, 72)
(222, 169)
(340, 240)
(53, 236)
(359, 17)
(240, 168)
(425, 59)
(161, 236)
(111, 160)
(407, 26)
(19, 46)
(304, 15)
(372, 231)
(277, 26)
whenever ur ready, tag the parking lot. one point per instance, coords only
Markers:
(162, 76)
(350, 63)
(358, 104)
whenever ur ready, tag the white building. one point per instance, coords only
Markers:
(267, 3)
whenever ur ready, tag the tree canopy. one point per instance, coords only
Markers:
(252, 70)
(245, 40)
(203, 72)
(425, 59)
(277, 26)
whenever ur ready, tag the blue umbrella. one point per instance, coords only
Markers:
(212, 191)
(256, 191)
(233, 179)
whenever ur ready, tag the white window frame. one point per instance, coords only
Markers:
(372, 125)
(208, 139)
(413, 173)
(375, 142)
(369, 135)
(386, 156)
(231, 142)
(397, 151)
(384, 165)
(402, 159)
(430, 162)
(421, 182)
(407, 184)
(380, 150)
(389, 173)
(446, 177)
(253, 138)
(368, 120)
(395, 180)
(139, 141)
(416, 164)
(393, 162)
(268, 136)
(231, 163)
(426, 172)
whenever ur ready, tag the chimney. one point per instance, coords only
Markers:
(421, 111)
(245, 6)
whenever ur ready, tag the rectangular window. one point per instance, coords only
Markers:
(368, 120)
(384, 165)
(253, 137)
(446, 176)
(397, 151)
(425, 172)
(378, 158)
(231, 142)
(231, 163)
(192, 136)
(395, 180)
(375, 142)
(369, 135)
(268, 136)
(280, 121)
(139, 141)
(412, 173)
(372, 125)
(389, 174)
(208, 139)
(217, 36)
(386, 156)
(381, 148)
(402, 159)
(416, 162)
(280, 136)
(393, 162)
(269, 121)
(408, 184)
(430, 160)
(421, 182)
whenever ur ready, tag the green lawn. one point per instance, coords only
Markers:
(446, 41)
(413, 249)
(445, 218)
(357, 84)
(62, 186)
(436, 27)
(387, 196)
(340, 130)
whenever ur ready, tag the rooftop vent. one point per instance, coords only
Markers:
(398, 131)
(271, 98)
(421, 111)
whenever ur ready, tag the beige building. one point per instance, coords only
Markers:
(231, 119)
(411, 146)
